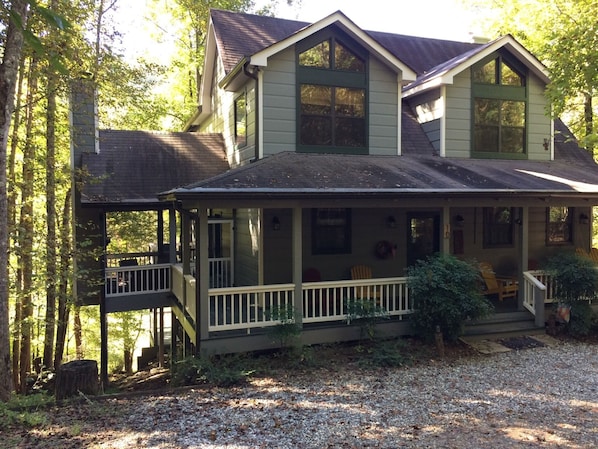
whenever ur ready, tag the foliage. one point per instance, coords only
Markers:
(564, 36)
(576, 279)
(445, 292)
(366, 313)
(285, 333)
(222, 371)
(384, 354)
(24, 410)
(575, 276)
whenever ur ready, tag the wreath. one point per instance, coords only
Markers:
(385, 249)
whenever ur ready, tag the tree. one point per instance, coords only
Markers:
(563, 34)
(13, 45)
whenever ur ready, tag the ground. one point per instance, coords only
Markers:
(142, 409)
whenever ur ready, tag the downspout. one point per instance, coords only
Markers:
(253, 75)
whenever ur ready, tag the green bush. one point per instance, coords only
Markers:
(445, 292)
(575, 278)
(287, 332)
(222, 371)
(366, 313)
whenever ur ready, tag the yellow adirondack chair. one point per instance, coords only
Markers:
(364, 272)
(500, 286)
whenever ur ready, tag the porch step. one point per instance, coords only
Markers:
(503, 325)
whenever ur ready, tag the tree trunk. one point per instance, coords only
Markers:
(77, 331)
(13, 45)
(63, 302)
(589, 121)
(77, 376)
(26, 235)
(50, 320)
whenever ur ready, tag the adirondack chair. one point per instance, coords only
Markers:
(364, 272)
(502, 287)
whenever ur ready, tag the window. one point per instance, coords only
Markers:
(331, 231)
(559, 225)
(332, 95)
(498, 227)
(241, 120)
(499, 109)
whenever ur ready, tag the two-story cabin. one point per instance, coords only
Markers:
(320, 146)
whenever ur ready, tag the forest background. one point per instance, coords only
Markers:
(48, 44)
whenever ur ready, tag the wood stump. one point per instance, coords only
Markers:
(77, 376)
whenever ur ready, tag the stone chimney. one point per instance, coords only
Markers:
(83, 120)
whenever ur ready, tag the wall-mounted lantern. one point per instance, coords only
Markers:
(275, 224)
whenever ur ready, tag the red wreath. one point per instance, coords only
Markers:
(385, 249)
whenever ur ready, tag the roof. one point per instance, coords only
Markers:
(134, 166)
(240, 35)
(419, 171)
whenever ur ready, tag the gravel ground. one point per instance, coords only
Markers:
(542, 397)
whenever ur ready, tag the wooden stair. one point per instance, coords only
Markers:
(503, 325)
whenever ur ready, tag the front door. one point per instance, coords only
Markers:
(423, 235)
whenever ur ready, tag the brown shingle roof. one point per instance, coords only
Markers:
(134, 166)
(239, 35)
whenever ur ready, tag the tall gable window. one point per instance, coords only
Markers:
(241, 120)
(499, 109)
(332, 95)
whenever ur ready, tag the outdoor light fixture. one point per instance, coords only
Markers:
(275, 224)
(584, 219)
(391, 222)
(459, 221)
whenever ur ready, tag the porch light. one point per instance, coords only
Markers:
(275, 224)
(584, 219)
(391, 222)
(459, 221)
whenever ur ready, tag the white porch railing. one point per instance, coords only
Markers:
(245, 308)
(137, 280)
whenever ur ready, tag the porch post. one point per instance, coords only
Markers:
(445, 247)
(202, 283)
(298, 263)
(185, 242)
(172, 235)
(523, 253)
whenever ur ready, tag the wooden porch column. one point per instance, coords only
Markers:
(160, 232)
(445, 246)
(298, 263)
(172, 235)
(185, 241)
(202, 284)
(523, 253)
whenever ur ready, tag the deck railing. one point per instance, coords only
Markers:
(137, 280)
(245, 308)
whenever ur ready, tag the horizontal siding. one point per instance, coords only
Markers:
(432, 130)
(458, 116)
(383, 109)
(246, 247)
(538, 124)
(279, 97)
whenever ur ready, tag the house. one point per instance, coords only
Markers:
(320, 146)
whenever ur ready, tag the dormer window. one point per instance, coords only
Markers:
(332, 95)
(499, 109)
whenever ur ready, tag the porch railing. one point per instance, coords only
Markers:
(245, 308)
(137, 280)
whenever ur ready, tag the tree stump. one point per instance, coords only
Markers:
(77, 376)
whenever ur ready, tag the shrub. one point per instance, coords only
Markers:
(285, 333)
(366, 313)
(575, 278)
(222, 371)
(446, 292)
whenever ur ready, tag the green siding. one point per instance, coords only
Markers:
(458, 117)
(538, 123)
(247, 247)
(383, 115)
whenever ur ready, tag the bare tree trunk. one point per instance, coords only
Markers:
(13, 45)
(63, 302)
(77, 331)
(26, 235)
(50, 319)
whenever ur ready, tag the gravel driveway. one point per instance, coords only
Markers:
(533, 398)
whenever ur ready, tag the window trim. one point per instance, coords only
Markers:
(488, 222)
(316, 248)
(236, 136)
(335, 79)
(569, 221)
(503, 93)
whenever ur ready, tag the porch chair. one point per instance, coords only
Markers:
(364, 272)
(502, 287)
